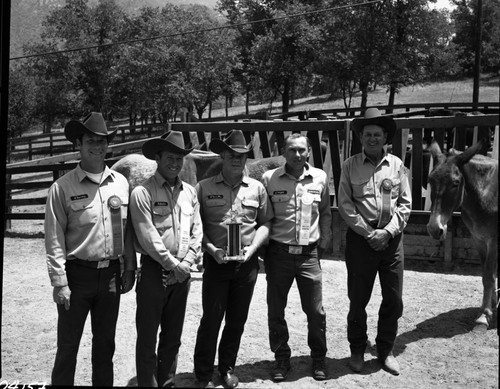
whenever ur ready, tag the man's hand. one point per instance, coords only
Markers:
(378, 239)
(220, 256)
(182, 271)
(128, 281)
(61, 295)
(249, 252)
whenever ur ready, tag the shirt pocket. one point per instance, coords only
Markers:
(281, 203)
(84, 212)
(162, 218)
(250, 208)
(361, 188)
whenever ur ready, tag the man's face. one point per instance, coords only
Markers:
(92, 148)
(373, 138)
(233, 162)
(296, 152)
(169, 164)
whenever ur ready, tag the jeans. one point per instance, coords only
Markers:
(164, 307)
(96, 291)
(227, 291)
(282, 269)
(363, 264)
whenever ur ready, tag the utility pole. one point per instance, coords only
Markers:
(477, 57)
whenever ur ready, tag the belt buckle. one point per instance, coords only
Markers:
(103, 264)
(295, 250)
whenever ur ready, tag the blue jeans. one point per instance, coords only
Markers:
(282, 269)
(96, 291)
(363, 263)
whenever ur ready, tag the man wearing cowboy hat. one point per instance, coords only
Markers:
(167, 228)
(235, 213)
(375, 202)
(85, 216)
(300, 232)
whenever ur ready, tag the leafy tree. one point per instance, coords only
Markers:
(21, 101)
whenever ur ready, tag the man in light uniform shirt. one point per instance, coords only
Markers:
(85, 218)
(300, 232)
(167, 227)
(375, 202)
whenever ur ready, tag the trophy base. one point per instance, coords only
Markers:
(237, 258)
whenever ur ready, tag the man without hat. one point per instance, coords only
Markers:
(235, 212)
(165, 216)
(300, 232)
(375, 202)
(85, 216)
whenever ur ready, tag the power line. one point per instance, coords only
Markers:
(197, 31)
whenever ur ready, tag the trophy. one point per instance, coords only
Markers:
(234, 250)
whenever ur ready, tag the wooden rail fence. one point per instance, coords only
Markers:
(268, 138)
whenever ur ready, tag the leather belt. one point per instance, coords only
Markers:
(101, 264)
(295, 249)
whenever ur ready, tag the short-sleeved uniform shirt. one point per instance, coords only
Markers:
(286, 191)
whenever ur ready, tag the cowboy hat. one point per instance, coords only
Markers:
(169, 141)
(93, 123)
(233, 141)
(373, 116)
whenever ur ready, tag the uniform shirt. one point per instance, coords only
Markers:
(78, 221)
(286, 191)
(157, 211)
(247, 201)
(360, 196)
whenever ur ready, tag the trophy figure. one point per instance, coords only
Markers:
(234, 246)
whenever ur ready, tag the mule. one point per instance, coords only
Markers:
(197, 165)
(470, 181)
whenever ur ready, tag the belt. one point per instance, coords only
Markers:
(295, 249)
(101, 264)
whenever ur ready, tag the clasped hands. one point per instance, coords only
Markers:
(180, 273)
(221, 257)
(378, 239)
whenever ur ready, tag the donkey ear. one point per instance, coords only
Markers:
(479, 147)
(437, 155)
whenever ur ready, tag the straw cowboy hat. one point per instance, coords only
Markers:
(170, 141)
(373, 116)
(93, 123)
(233, 141)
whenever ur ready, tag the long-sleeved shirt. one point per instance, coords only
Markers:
(157, 211)
(78, 221)
(360, 194)
(286, 191)
(246, 202)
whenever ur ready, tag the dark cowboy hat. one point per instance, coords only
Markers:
(373, 116)
(233, 141)
(169, 141)
(93, 123)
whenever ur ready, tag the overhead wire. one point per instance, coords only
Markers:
(227, 26)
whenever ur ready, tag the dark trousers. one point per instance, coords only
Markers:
(96, 291)
(282, 269)
(164, 307)
(227, 290)
(363, 264)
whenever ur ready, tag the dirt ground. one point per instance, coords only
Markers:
(436, 346)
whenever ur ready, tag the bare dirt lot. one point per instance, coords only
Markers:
(436, 346)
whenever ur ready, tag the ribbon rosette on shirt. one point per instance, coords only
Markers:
(234, 245)
(305, 218)
(385, 213)
(115, 204)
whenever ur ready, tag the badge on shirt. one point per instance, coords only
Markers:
(279, 192)
(160, 204)
(79, 197)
